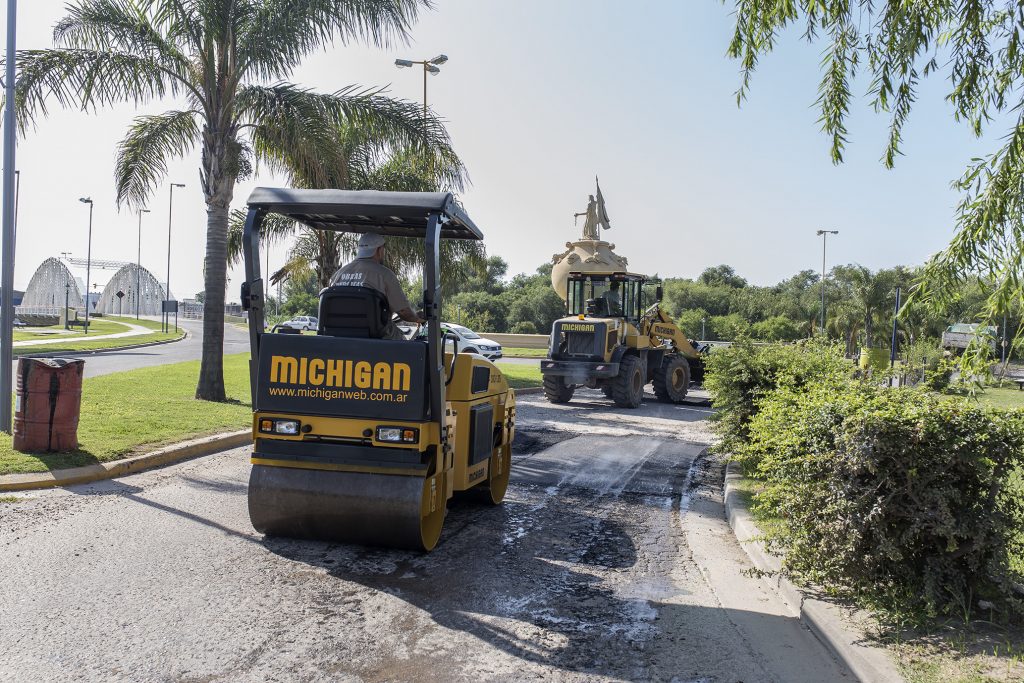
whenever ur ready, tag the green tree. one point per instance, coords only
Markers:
(977, 47)
(776, 328)
(218, 56)
(721, 275)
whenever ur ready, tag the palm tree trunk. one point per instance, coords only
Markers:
(219, 189)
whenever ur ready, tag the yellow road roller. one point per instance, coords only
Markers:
(357, 438)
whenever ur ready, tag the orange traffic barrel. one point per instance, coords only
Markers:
(47, 404)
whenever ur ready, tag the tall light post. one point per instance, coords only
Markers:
(823, 234)
(7, 237)
(167, 288)
(429, 67)
(88, 263)
(138, 266)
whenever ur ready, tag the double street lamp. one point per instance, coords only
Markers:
(138, 266)
(88, 262)
(823, 234)
(429, 67)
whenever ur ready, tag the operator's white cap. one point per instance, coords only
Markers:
(368, 244)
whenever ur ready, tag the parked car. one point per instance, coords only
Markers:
(468, 341)
(302, 322)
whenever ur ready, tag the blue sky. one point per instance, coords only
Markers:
(541, 96)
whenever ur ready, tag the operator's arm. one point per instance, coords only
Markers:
(408, 316)
(397, 300)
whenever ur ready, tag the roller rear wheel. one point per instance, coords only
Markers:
(493, 491)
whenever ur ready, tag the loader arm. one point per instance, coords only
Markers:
(660, 327)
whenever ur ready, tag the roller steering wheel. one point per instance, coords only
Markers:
(395, 320)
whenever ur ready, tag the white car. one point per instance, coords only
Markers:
(468, 341)
(302, 322)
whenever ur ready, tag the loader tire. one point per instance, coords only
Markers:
(672, 379)
(556, 391)
(606, 389)
(628, 385)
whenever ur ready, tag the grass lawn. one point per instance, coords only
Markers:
(124, 411)
(77, 341)
(513, 352)
(96, 326)
(1003, 397)
(521, 376)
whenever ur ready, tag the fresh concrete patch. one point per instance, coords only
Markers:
(869, 663)
(119, 468)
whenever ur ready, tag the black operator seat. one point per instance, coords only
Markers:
(359, 312)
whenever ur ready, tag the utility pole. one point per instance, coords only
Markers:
(7, 239)
(824, 240)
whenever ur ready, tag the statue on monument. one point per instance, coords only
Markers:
(596, 216)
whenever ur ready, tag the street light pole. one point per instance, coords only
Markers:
(167, 289)
(138, 266)
(88, 263)
(823, 234)
(7, 238)
(429, 67)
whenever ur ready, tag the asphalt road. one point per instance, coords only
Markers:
(236, 340)
(609, 560)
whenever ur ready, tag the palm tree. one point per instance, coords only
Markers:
(226, 60)
(361, 162)
(871, 292)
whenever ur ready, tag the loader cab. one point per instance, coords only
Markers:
(606, 295)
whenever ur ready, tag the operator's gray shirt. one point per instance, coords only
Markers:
(365, 272)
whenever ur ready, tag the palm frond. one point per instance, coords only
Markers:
(87, 79)
(313, 137)
(121, 26)
(143, 154)
(294, 132)
(178, 20)
(273, 229)
(279, 33)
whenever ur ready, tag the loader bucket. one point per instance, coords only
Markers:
(396, 511)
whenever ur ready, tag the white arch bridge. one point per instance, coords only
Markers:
(139, 287)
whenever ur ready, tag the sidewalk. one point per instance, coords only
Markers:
(135, 331)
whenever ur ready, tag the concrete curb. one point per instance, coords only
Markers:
(93, 352)
(119, 468)
(869, 664)
(529, 390)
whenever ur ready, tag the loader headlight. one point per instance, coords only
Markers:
(398, 434)
(273, 426)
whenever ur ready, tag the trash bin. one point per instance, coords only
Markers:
(47, 404)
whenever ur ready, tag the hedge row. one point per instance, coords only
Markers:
(898, 497)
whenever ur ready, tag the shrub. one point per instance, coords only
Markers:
(739, 376)
(893, 495)
(524, 327)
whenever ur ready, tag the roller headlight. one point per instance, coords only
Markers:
(276, 426)
(398, 434)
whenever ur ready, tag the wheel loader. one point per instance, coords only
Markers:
(357, 438)
(617, 338)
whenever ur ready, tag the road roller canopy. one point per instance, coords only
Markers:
(396, 214)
